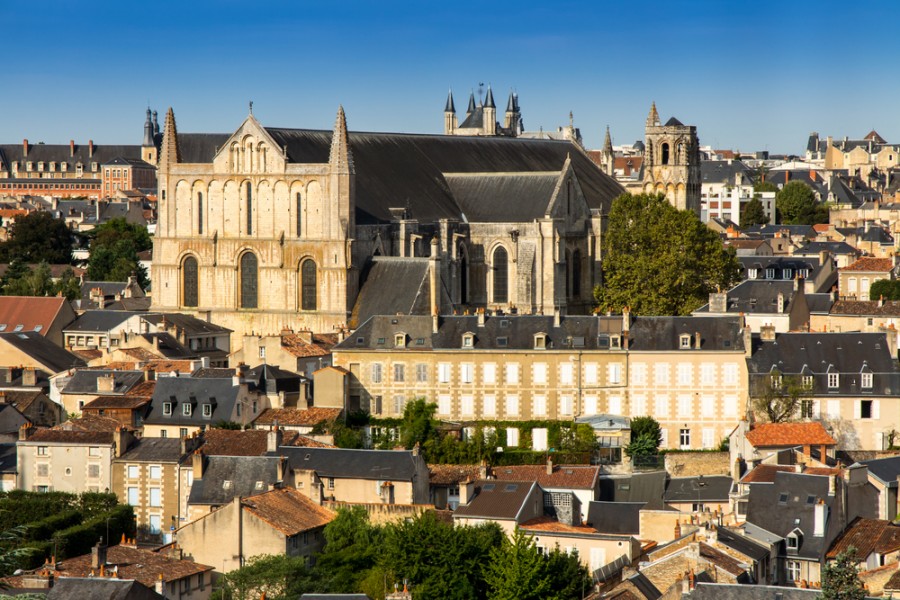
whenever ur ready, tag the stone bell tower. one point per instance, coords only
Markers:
(672, 162)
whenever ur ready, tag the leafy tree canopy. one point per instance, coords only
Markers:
(885, 288)
(37, 237)
(646, 436)
(778, 397)
(840, 580)
(114, 252)
(279, 577)
(754, 214)
(765, 186)
(796, 204)
(659, 260)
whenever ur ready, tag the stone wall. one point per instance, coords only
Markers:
(689, 464)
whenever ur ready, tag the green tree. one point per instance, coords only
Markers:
(796, 204)
(518, 571)
(32, 282)
(418, 424)
(36, 237)
(659, 260)
(885, 288)
(569, 578)
(114, 252)
(646, 436)
(840, 579)
(350, 553)
(754, 213)
(778, 398)
(68, 285)
(280, 577)
(764, 186)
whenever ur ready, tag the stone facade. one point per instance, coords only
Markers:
(672, 162)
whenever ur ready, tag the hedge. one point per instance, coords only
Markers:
(45, 528)
(79, 539)
(18, 507)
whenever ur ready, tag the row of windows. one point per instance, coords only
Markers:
(94, 451)
(49, 186)
(866, 381)
(93, 470)
(249, 282)
(29, 166)
(154, 497)
(567, 372)
(153, 471)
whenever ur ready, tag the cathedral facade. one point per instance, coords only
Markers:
(672, 162)
(266, 229)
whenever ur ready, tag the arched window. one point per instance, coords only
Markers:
(463, 278)
(249, 209)
(249, 280)
(308, 287)
(200, 213)
(665, 154)
(500, 269)
(189, 284)
(299, 215)
(576, 273)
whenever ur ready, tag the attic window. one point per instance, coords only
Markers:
(503, 341)
(684, 341)
(37, 328)
(259, 485)
(19, 327)
(540, 341)
(511, 487)
(504, 322)
(726, 343)
(783, 498)
(603, 341)
(615, 341)
(167, 409)
(381, 341)
(226, 485)
(811, 499)
(578, 342)
(207, 410)
(360, 340)
(420, 341)
(400, 340)
(186, 409)
(488, 487)
(468, 340)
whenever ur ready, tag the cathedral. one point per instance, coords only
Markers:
(672, 162)
(265, 229)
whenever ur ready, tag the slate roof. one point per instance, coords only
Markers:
(637, 487)
(191, 325)
(153, 450)
(724, 591)
(100, 320)
(29, 313)
(789, 434)
(532, 191)
(387, 465)
(288, 511)
(770, 231)
(724, 171)
(11, 419)
(765, 510)
(222, 394)
(228, 476)
(168, 346)
(885, 470)
(757, 296)
(704, 488)
(84, 381)
(663, 333)
(497, 499)
(741, 543)
(270, 379)
(615, 517)
(42, 350)
(575, 477)
(101, 588)
(62, 153)
(836, 248)
(408, 280)
(8, 458)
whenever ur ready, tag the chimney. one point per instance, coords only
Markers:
(767, 333)
(274, 439)
(91, 148)
(779, 303)
(98, 555)
(466, 492)
(549, 465)
(697, 340)
(149, 374)
(25, 147)
(29, 378)
(556, 316)
(820, 514)
(832, 484)
(122, 439)
(106, 383)
(677, 528)
(416, 449)
(480, 313)
(483, 470)
(881, 301)
(25, 431)
(197, 465)
(626, 319)
(737, 468)
(718, 302)
(71, 147)
(161, 585)
(433, 281)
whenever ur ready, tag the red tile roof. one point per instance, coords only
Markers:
(92, 423)
(550, 525)
(452, 474)
(145, 566)
(302, 441)
(765, 473)
(295, 344)
(888, 308)
(230, 442)
(297, 417)
(87, 355)
(867, 536)
(789, 434)
(56, 436)
(29, 312)
(563, 476)
(288, 511)
(870, 264)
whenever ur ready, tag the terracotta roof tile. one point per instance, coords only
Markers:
(144, 389)
(822, 471)
(870, 263)
(91, 423)
(549, 524)
(124, 402)
(293, 343)
(230, 442)
(297, 417)
(167, 366)
(141, 354)
(71, 437)
(563, 476)
(862, 534)
(288, 511)
(451, 474)
(87, 354)
(889, 308)
(789, 434)
(120, 365)
(302, 441)
(30, 312)
(765, 473)
(144, 566)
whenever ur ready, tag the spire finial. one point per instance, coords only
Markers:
(653, 117)
(450, 107)
(607, 142)
(251, 107)
(571, 120)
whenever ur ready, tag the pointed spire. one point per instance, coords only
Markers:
(653, 117)
(169, 150)
(341, 158)
(489, 100)
(471, 108)
(511, 103)
(148, 130)
(607, 142)
(450, 107)
(155, 125)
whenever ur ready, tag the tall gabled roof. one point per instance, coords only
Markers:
(42, 351)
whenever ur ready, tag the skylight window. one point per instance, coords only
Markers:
(783, 498)
(19, 327)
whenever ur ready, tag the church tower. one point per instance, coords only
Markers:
(607, 156)
(450, 122)
(512, 120)
(490, 114)
(672, 162)
(148, 146)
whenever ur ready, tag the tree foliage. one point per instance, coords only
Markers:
(114, 252)
(279, 577)
(796, 204)
(885, 288)
(37, 237)
(351, 550)
(753, 214)
(659, 260)
(22, 280)
(778, 398)
(646, 436)
(840, 579)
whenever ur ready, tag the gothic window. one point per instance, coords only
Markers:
(189, 285)
(249, 280)
(299, 214)
(249, 209)
(576, 274)
(200, 213)
(308, 288)
(463, 278)
(665, 154)
(500, 268)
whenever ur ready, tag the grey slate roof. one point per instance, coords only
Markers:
(885, 470)
(61, 153)
(84, 381)
(704, 488)
(663, 333)
(615, 517)
(532, 193)
(168, 345)
(221, 393)
(757, 296)
(406, 278)
(100, 588)
(42, 350)
(191, 325)
(497, 499)
(228, 476)
(741, 543)
(8, 458)
(645, 586)
(770, 231)
(836, 248)
(154, 450)
(11, 419)
(269, 379)
(394, 465)
(647, 488)
(724, 171)
(100, 320)
(395, 169)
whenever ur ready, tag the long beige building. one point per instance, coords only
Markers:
(688, 372)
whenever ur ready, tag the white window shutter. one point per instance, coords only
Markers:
(816, 409)
(857, 409)
(876, 413)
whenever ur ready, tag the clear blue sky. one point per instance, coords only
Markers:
(750, 75)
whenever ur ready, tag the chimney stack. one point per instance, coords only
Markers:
(98, 555)
(549, 465)
(480, 313)
(274, 438)
(71, 147)
(697, 340)
(819, 523)
(91, 148)
(197, 465)
(25, 147)
(779, 303)
(466, 492)
(29, 377)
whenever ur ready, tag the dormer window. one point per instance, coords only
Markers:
(167, 409)
(603, 342)
(807, 382)
(400, 340)
(787, 274)
(207, 410)
(865, 380)
(752, 273)
(615, 341)
(41, 166)
(792, 540)
(775, 379)
(94, 167)
(540, 341)
(770, 273)
(186, 409)
(468, 340)
(834, 380)
(684, 341)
